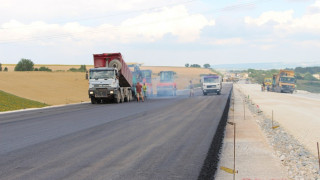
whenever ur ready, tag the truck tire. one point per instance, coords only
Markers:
(117, 99)
(126, 98)
(93, 100)
(122, 97)
(219, 93)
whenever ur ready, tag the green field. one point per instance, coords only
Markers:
(9, 102)
(311, 86)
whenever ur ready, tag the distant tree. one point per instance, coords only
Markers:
(36, 69)
(298, 76)
(311, 70)
(206, 66)
(5, 69)
(24, 65)
(0, 67)
(187, 65)
(43, 68)
(195, 65)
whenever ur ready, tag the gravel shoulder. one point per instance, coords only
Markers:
(255, 158)
(292, 138)
(298, 114)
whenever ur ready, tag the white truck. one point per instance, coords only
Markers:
(211, 84)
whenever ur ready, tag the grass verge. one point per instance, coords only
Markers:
(10, 102)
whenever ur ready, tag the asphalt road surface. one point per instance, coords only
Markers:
(158, 139)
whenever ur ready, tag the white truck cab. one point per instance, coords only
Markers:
(211, 84)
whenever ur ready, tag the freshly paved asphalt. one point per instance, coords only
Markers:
(158, 139)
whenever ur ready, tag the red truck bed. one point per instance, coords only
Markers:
(102, 60)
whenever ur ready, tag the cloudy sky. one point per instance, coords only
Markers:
(166, 32)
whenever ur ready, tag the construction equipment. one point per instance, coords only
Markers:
(167, 86)
(268, 83)
(284, 81)
(147, 79)
(110, 79)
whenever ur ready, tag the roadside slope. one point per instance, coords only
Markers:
(10, 102)
(298, 114)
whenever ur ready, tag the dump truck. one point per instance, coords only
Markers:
(167, 86)
(110, 79)
(284, 81)
(211, 84)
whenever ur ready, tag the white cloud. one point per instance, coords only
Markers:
(146, 27)
(228, 41)
(315, 8)
(69, 10)
(271, 16)
(308, 43)
(285, 24)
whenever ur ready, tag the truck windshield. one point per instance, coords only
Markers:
(166, 77)
(267, 80)
(211, 80)
(287, 79)
(102, 74)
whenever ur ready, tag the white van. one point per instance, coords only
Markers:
(211, 84)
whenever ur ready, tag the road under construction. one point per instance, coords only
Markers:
(162, 138)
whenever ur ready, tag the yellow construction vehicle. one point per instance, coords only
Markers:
(284, 81)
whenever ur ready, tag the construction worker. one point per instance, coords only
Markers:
(144, 88)
(139, 93)
(191, 89)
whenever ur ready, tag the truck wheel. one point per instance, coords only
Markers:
(204, 94)
(93, 100)
(122, 98)
(130, 96)
(126, 98)
(219, 93)
(117, 99)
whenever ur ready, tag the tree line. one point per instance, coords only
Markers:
(301, 73)
(197, 65)
(28, 65)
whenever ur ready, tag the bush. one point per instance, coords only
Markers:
(195, 65)
(0, 67)
(36, 69)
(81, 69)
(309, 77)
(24, 65)
(186, 65)
(6, 69)
(43, 68)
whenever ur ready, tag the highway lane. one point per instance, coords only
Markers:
(158, 139)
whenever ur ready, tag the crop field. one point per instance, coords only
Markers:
(9, 102)
(51, 88)
(54, 88)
